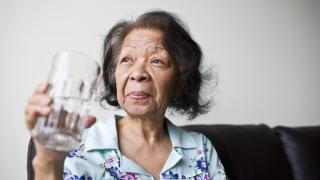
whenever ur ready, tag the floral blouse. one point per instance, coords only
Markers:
(99, 157)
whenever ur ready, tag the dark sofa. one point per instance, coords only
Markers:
(258, 152)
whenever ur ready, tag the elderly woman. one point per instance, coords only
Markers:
(150, 64)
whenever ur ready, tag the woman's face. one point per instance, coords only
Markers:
(144, 73)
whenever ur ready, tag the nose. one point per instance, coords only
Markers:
(139, 73)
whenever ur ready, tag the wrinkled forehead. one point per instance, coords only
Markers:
(144, 40)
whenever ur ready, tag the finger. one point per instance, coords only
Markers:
(42, 88)
(89, 121)
(33, 112)
(40, 99)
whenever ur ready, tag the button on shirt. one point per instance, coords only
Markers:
(99, 156)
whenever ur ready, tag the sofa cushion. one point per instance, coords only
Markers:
(302, 147)
(248, 152)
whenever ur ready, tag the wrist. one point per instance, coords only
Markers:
(50, 170)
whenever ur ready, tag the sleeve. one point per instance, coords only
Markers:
(215, 167)
(76, 166)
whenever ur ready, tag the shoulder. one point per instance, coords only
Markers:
(203, 156)
(203, 148)
(199, 158)
(199, 137)
(209, 158)
(187, 139)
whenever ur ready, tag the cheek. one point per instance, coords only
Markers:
(120, 83)
(165, 86)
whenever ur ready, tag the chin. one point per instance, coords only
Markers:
(139, 111)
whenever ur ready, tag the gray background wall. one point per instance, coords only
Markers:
(267, 56)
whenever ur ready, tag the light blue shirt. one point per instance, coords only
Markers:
(99, 156)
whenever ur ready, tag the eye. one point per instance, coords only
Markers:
(157, 61)
(126, 59)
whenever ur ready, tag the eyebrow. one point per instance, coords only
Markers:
(131, 46)
(156, 47)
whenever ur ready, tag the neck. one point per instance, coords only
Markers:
(151, 130)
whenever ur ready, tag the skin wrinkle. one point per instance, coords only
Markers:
(145, 76)
(139, 48)
(156, 47)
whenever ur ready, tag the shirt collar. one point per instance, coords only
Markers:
(103, 135)
(179, 137)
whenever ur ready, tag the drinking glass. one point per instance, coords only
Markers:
(72, 80)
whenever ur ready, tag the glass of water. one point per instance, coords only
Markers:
(73, 78)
